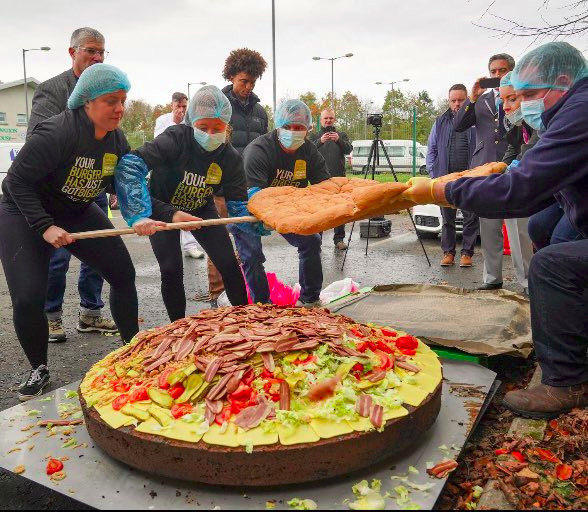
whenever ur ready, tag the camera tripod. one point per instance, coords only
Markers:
(373, 162)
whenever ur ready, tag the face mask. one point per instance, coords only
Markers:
(532, 110)
(209, 142)
(515, 117)
(291, 139)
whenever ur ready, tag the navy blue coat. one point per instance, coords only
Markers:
(556, 166)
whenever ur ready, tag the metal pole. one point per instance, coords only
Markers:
(392, 105)
(414, 131)
(188, 91)
(274, 48)
(332, 84)
(24, 67)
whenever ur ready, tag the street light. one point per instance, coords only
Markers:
(193, 83)
(333, 59)
(391, 84)
(24, 67)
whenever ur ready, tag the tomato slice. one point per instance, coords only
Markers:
(223, 416)
(310, 359)
(408, 352)
(120, 386)
(265, 374)
(98, 381)
(248, 378)
(163, 383)
(357, 332)
(176, 390)
(385, 361)
(243, 392)
(361, 346)
(388, 333)
(53, 466)
(138, 394)
(119, 402)
(179, 410)
(384, 347)
(407, 342)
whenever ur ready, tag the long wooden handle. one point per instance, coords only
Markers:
(100, 233)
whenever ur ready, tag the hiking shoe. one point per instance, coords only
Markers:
(465, 261)
(56, 331)
(448, 260)
(546, 402)
(341, 245)
(193, 253)
(96, 324)
(33, 386)
(308, 305)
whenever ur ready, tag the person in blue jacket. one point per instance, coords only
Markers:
(553, 83)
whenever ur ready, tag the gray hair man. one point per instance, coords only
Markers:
(85, 49)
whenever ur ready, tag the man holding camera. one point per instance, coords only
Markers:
(333, 145)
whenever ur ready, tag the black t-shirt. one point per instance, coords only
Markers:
(61, 169)
(268, 165)
(184, 176)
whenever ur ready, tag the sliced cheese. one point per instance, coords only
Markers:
(297, 435)
(114, 419)
(182, 431)
(411, 395)
(228, 438)
(394, 412)
(257, 436)
(361, 424)
(427, 381)
(151, 426)
(328, 428)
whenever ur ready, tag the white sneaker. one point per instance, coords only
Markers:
(193, 253)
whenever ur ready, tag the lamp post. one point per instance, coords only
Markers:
(274, 52)
(333, 59)
(391, 84)
(24, 67)
(193, 83)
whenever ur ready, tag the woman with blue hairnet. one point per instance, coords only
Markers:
(49, 191)
(283, 157)
(189, 162)
(552, 81)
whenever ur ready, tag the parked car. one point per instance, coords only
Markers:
(428, 221)
(400, 153)
(8, 152)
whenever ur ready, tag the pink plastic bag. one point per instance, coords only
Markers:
(280, 293)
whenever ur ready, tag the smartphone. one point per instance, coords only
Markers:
(489, 83)
(330, 129)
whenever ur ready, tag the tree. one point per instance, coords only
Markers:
(270, 117)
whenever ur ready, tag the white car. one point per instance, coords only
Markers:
(8, 152)
(400, 153)
(428, 221)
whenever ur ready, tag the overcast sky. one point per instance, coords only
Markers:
(164, 45)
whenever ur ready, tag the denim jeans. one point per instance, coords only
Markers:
(558, 292)
(551, 226)
(310, 270)
(89, 282)
(471, 230)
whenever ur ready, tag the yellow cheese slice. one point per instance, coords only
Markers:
(411, 395)
(426, 381)
(182, 431)
(394, 412)
(297, 435)
(114, 419)
(258, 436)
(361, 424)
(228, 438)
(328, 428)
(151, 426)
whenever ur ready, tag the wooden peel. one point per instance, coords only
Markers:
(101, 233)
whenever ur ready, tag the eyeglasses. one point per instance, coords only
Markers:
(93, 51)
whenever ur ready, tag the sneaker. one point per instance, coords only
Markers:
(33, 386)
(546, 402)
(448, 260)
(465, 261)
(56, 331)
(341, 245)
(308, 305)
(96, 324)
(193, 253)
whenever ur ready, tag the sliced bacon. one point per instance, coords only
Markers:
(323, 389)
(266, 332)
(223, 338)
(252, 416)
(215, 406)
(209, 416)
(159, 362)
(185, 350)
(266, 347)
(442, 469)
(201, 343)
(407, 366)
(377, 415)
(230, 329)
(306, 345)
(268, 361)
(363, 405)
(233, 382)
(220, 390)
(162, 347)
(284, 396)
(376, 376)
(212, 368)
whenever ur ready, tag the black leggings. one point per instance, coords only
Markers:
(25, 259)
(217, 244)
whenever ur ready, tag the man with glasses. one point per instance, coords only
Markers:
(86, 48)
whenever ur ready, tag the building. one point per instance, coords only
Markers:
(13, 117)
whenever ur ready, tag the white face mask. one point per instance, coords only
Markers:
(209, 142)
(291, 139)
(515, 117)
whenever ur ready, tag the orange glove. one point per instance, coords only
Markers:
(425, 191)
(476, 172)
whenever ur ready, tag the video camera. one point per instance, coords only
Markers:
(375, 120)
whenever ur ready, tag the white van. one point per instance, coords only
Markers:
(8, 152)
(399, 151)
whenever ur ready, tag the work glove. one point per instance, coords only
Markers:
(420, 191)
(476, 172)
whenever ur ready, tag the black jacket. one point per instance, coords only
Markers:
(516, 142)
(248, 121)
(333, 152)
(61, 169)
(184, 176)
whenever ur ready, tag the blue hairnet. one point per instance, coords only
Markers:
(506, 80)
(209, 102)
(293, 112)
(541, 67)
(95, 81)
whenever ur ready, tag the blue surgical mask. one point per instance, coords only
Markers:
(532, 111)
(209, 142)
(291, 139)
(515, 117)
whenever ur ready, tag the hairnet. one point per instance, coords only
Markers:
(293, 112)
(541, 67)
(506, 80)
(209, 102)
(95, 81)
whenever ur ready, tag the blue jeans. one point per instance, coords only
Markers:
(551, 226)
(89, 283)
(310, 269)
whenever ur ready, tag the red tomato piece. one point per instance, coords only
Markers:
(53, 466)
(385, 361)
(243, 392)
(310, 359)
(356, 332)
(120, 386)
(388, 333)
(98, 381)
(179, 410)
(248, 378)
(519, 456)
(407, 342)
(361, 346)
(384, 347)
(223, 416)
(563, 471)
(138, 394)
(357, 367)
(163, 383)
(176, 390)
(265, 374)
(120, 401)
(408, 352)
(372, 346)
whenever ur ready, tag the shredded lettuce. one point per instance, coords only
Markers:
(298, 504)
(369, 497)
(248, 445)
(70, 393)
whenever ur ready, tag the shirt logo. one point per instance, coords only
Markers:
(300, 170)
(214, 174)
(109, 162)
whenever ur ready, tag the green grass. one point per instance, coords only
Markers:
(403, 177)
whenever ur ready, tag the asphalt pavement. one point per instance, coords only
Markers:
(397, 258)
